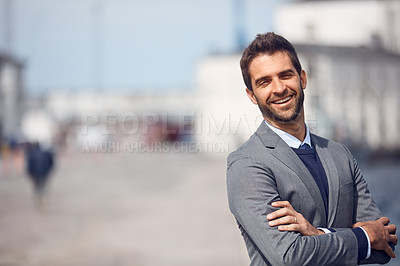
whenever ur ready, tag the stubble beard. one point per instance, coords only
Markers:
(268, 112)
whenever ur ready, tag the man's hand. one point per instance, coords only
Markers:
(380, 233)
(287, 219)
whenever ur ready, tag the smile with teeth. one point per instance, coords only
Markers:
(283, 100)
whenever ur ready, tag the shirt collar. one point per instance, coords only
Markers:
(291, 140)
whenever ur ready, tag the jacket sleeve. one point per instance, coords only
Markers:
(251, 189)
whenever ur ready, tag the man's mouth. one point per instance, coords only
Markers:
(284, 100)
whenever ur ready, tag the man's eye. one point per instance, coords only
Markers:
(287, 76)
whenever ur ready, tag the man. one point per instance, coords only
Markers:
(296, 205)
(39, 164)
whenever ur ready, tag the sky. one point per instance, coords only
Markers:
(124, 44)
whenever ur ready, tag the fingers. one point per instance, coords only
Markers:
(281, 212)
(282, 204)
(287, 209)
(390, 252)
(393, 239)
(384, 220)
(289, 227)
(391, 228)
(283, 220)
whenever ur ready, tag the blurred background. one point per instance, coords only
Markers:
(116, 118)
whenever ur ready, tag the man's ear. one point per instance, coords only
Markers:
(251, 96)
(303, 79)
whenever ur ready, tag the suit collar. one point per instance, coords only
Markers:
(267, 136)
(291, 140)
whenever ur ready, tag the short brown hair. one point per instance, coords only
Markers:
(268, 43)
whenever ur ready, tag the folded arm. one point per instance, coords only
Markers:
(251, 190)
(377, 231)
(380, 233)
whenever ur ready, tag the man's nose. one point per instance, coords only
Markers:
(278, 86)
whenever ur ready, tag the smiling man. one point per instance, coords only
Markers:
(298, 199)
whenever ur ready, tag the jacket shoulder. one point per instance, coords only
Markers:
(249, 149)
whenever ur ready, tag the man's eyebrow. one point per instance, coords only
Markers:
(288, 71)
(257, 81)
(284, 72)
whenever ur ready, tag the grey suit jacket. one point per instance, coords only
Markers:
(266, 169)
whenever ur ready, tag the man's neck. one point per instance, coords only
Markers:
(296, 127)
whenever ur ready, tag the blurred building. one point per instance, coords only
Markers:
(352, 23)
(11, 97)
(92, 120)
(351, 52)
(225, 115)
(353, 95)
(64, 105)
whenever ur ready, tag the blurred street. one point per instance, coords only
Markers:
(122, 209)
(137, 209)
(144, 99)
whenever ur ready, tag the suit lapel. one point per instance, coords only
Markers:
(289, 158)
(331, 175)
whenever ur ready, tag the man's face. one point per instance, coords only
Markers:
(277, 88)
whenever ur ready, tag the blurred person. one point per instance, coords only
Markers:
(299, 199)
(39, 164)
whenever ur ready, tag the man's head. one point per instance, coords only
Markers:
(268, 43)
(274, 79)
